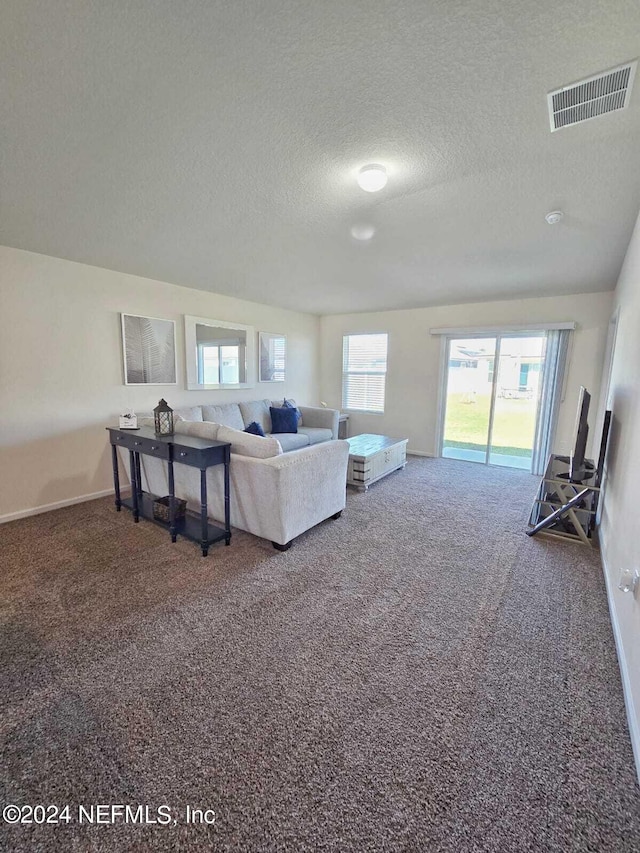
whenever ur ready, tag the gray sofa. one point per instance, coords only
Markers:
(275, 495)
(317, 424)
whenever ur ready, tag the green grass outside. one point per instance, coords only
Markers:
(466, 424)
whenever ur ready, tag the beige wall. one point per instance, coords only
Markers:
(414, 359)
(61, 378)
(620, 530)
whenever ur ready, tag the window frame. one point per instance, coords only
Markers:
(219, 346)
(346, 408)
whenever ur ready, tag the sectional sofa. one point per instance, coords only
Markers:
(281, 485)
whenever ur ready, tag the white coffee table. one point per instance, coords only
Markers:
(372, 457)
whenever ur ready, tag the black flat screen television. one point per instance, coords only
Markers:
(577, 465)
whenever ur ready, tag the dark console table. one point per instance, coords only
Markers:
(182, 449)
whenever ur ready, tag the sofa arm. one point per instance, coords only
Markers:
(276, 498)
(295, 491)
(313, 416)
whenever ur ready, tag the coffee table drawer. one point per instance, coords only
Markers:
(388, 460)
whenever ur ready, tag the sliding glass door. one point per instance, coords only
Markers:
(469, 398)
(515, 408)
(492, 398)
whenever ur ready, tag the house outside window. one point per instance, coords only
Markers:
(364, 371)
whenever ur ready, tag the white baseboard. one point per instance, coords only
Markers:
(420, 453)
(633, 716)
(24, 513)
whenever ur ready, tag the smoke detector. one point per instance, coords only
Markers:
(591, 97)
(554, 217)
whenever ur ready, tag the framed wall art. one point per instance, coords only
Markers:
(148, 350)
(272, 357)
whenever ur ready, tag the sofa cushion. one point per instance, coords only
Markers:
(188, 413)
(283, 420)
(199, 429)
(291, 404)
(255, 429)
(245, 444)
(292, 440)
(278, 404)
(258, 411)
(316, 434)
(228, 415)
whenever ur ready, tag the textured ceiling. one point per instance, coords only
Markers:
(214, 143)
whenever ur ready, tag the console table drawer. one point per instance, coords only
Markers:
(199, 457)
(142, 444)
(121, 439)
(152, 448)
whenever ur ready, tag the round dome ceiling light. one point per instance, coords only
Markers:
(362, 231)
(372, 178)
(554, 217)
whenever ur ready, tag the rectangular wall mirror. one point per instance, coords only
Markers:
(218, 354)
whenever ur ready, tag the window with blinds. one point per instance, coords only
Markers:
(277, 346)
(364, 370)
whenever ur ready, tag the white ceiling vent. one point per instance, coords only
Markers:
(591, 97)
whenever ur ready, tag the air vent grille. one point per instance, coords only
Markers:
(592, 97)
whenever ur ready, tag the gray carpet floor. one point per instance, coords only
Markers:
(416, 676)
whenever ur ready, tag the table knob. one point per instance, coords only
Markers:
(154, 446)
(137, 442)
(183, 453)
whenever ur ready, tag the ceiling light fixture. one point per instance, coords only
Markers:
(554, 217)
(372, 178)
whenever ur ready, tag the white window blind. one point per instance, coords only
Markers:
(277, 351)
(364, 370)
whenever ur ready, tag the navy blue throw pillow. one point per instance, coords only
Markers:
(287, 404)
(255, 429)
(283, 419)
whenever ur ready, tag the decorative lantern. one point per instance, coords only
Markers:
(163, 416)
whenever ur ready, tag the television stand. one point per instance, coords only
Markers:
(566, 506)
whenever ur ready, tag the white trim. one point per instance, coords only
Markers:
(360, 332)
(37, 510)
(633, 717)
(470, 331)
(420, 453)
